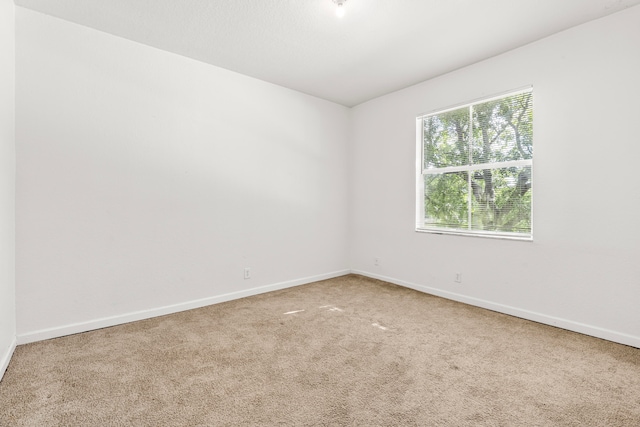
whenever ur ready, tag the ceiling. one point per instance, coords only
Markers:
(379, 46)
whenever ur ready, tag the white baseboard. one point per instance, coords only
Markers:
(6, 358)
(106, 322)
(90, 325)
(570, 325)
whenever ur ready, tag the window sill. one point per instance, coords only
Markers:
(489, 235)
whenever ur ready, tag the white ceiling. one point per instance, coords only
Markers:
(378, 47)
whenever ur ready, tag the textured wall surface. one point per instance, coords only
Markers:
(582, 270)
(7, 183)
(146, 179)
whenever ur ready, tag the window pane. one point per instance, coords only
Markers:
(501, 200)
(476, 168)
(446, 139)
(503, 129)
(446, 200)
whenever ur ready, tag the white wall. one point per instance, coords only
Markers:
(582, 271)
(7, 184)
(148, 181)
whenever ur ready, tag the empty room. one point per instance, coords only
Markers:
(319, 212)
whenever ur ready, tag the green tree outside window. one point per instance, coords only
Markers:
(477, 168)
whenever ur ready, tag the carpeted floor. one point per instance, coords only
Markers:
(350, 351)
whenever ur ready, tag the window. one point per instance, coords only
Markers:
(475, 168)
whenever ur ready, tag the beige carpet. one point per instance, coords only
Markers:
(349, 351)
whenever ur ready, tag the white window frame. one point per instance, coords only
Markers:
(421, 172)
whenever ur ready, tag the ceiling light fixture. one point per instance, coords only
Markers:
(340, 9)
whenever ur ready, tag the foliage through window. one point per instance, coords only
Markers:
(475, 173)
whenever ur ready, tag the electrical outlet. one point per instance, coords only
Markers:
(376, 261)
(458, 277)
(247, 273)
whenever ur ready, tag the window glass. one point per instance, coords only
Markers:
(476, 175)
